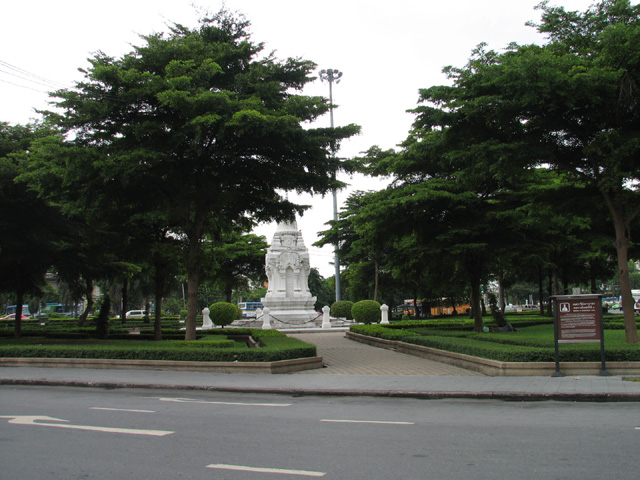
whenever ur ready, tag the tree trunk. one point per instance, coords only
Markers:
(501, 303)
(17, 324)
(376, 279)
(194, 259)
(125, 300)
(90, 301)
(147, 308)
(157, 323)
(160, 290)
(192, 303)
(475, 304)
(541, 290)
(622, 250)
(453, 305)
(550, 293)
(228, 291)
(556, 282)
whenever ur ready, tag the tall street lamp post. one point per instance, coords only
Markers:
(330, 75)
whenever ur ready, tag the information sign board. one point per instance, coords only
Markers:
(579, 320)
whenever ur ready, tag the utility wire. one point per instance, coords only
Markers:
(22, 86)
(25, 78)
(24, 75)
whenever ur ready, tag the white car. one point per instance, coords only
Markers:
(135, 314)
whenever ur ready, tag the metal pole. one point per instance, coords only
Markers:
(557, 373)
(330, 76)
(603, 368)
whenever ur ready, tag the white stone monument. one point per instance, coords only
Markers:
(287, 266)
(206, 320)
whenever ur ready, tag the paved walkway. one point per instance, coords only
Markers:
(346, 357)
(353, 369)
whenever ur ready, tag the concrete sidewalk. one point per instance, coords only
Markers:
(351, 369)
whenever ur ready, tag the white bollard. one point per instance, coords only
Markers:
(266, 319)
(326, 319)
(206, 321)
(385, 314)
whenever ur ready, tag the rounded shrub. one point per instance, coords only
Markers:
(224, 313)
(342, 309)
(366, 311)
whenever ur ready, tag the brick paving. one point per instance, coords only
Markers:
(346, 357)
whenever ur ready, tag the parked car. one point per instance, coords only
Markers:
(13, 317)
(135, 314)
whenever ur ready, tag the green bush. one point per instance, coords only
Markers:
(224, 313)
(342, 309)
(366, 311)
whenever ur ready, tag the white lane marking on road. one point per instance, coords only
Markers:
(122, 410)
(241, 468)
(366, 421)
(36, 419)
(190, 400)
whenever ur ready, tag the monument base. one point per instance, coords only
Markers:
(286, 312)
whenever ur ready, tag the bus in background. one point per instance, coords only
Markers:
(248, 309)
(59, 309)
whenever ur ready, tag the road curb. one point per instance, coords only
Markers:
(600, 397)
(275, 367)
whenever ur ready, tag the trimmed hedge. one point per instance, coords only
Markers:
(274, 346)
(383, 332)
(477, 348)
(366, 311)
(531, 344)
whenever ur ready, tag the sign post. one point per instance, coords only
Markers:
(578, 319)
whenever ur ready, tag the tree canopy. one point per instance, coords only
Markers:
(203, 127)
(570, 105)
(34, 233)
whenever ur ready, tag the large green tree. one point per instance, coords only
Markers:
(236, 259)
(362, 245)
(33, 230)
(571, 105)
(104, 241)
(588, 110)
(210, 123)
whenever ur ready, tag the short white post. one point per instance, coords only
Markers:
(266, 319)
(206, 321)
(326, 319)
(385, 314)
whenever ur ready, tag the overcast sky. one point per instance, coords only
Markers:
(387, 50)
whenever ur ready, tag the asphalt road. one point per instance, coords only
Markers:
(85, 433)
